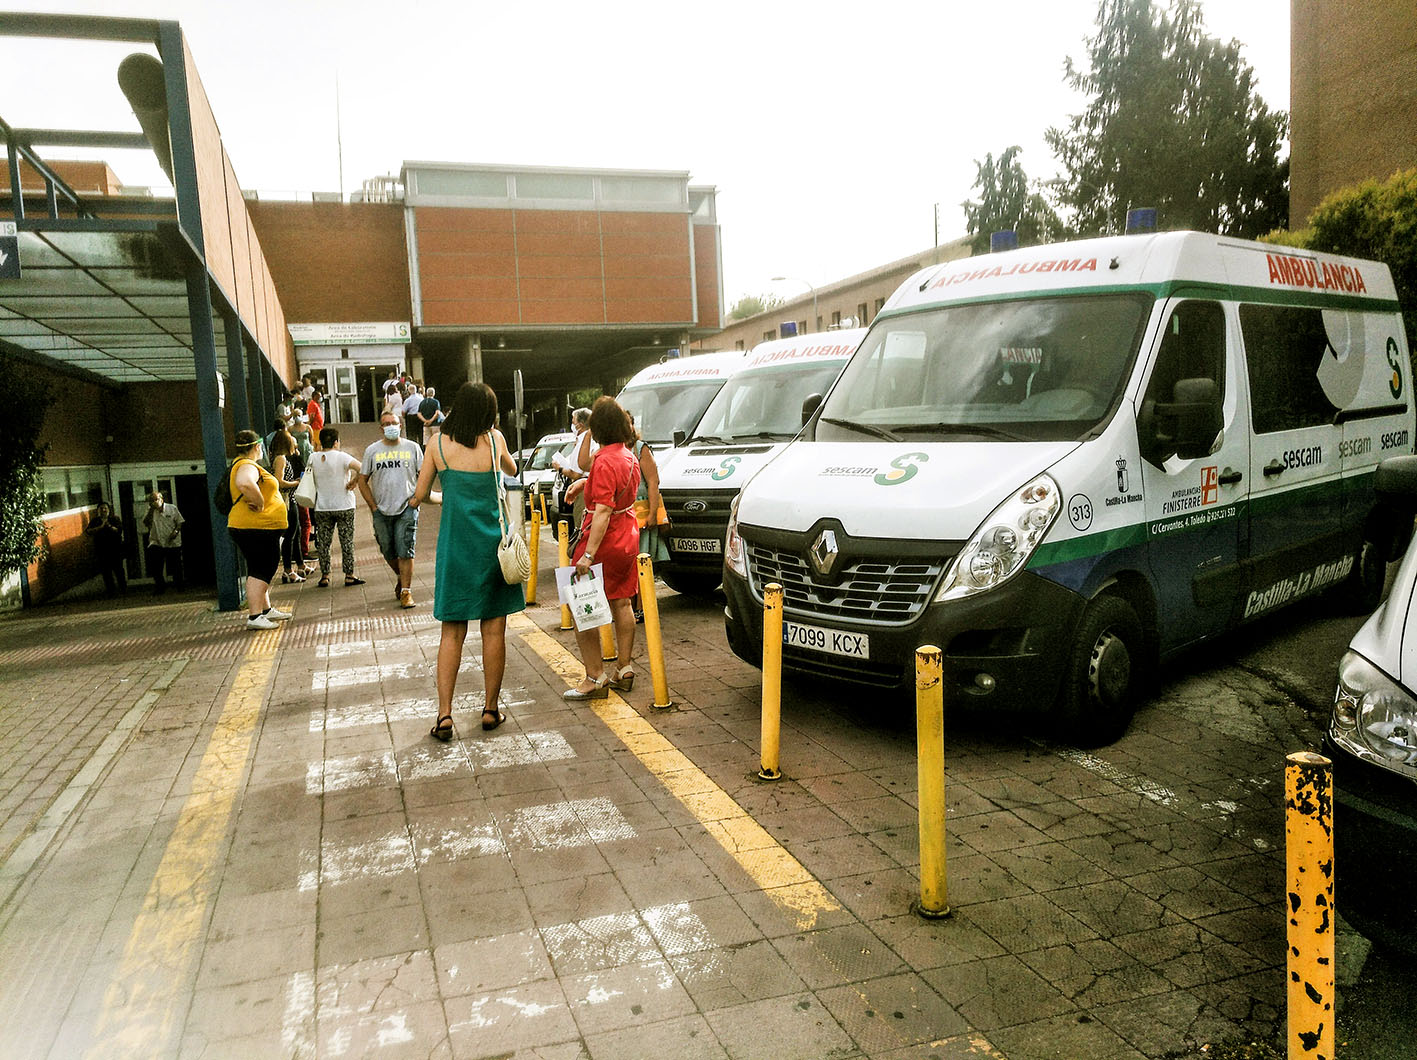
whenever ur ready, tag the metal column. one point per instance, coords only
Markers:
(236, 372)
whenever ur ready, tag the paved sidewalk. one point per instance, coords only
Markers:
(223, 844)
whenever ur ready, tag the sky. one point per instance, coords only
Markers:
(831, 130)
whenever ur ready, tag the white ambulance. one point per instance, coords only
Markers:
(759, 410)
(672, 395)
(1062, 463)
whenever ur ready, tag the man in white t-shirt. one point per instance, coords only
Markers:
(336, 475)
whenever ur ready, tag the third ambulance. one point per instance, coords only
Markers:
(1061, 463)
(672, 395)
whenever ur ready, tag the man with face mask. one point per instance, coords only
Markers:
(163, 523)
(388, 475)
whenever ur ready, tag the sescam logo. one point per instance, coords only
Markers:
(904, 469)
(726, 468)
(1395, 383)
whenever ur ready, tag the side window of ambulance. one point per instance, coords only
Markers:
(1284, 346)
(1192, 347)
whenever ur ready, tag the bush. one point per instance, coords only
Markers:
(1374, 219)
(21, 489)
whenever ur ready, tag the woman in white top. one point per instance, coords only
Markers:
(335, 475)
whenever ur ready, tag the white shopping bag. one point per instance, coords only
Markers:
(563, 581)
(589, 607)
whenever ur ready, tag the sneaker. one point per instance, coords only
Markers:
(260, 622)
(406, 598)
(277, 614)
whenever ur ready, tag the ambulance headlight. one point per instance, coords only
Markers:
(1373, 717)
(733, 555)
(1001, 546)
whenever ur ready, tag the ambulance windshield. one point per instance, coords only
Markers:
(1041, 369)
(766, 403)
(663, 408)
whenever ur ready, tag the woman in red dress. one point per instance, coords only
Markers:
(610, 536)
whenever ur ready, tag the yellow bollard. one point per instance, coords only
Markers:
(535, 550)
(542, 498)
(563, 559)
(1308, 855)
(607, 642)
(654, 643)
(772, 683)
(930, 771)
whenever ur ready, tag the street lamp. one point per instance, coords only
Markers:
(793, 279)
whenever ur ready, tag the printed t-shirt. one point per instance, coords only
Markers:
(392, 471)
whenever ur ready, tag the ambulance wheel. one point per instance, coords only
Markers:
(1100, 684)
(1362, 590)
(691, 584)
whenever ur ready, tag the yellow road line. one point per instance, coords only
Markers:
(777, 873)
(147, 997)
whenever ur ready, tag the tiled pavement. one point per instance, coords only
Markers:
(220, 844)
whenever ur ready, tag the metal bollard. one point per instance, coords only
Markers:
(563, 559)
(654, 643)
(535, 550)
(542, 497)
(772, 683)
(1308, 856)
(930, 770)
(607, 642)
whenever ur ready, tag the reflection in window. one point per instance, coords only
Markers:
(1285, 347)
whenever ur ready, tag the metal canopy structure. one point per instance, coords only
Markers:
(126, 291)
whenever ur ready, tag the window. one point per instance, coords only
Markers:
(738, 345)
(836, 318)
(861, 315)
(640, 189)
(1192, 347)
(768, 336)
(1285, 348)
(801, 327)
(554, 186)
(880, 304)
(458, 182)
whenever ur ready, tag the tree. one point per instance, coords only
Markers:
(1009, 200)
(750, 305)
(21, 484)
(1174, 122)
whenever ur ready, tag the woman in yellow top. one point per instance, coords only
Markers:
(257, 522)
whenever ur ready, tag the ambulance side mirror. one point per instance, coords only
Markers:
(1197, 417)
(680, 438)
(1389, 524)
(1397, 478)
(813, 402)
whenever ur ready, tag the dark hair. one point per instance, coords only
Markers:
(474, 413)
(328, 437)
(246, 439)
(609, 423)
(282, 444)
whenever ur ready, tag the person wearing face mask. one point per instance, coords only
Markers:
(256, 523)
(105, 530)
(387, 478)
(163, 523)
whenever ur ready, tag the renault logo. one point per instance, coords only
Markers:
(696, 506)
(823, 553)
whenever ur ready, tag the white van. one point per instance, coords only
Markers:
(538, 472)
(1061, 463)
(672, 395)
(759, 410)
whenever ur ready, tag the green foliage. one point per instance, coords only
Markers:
(1009, 200)
(1173, 122)
(750, 305)
(25, 401)
(1374, 219)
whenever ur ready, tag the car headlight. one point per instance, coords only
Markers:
(733, 546)
(1373, 717)
(1002, 544)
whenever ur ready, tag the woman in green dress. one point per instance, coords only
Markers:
(468, 455)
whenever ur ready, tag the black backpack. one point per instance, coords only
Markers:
(222, 497)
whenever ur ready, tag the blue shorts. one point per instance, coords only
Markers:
(396, 534)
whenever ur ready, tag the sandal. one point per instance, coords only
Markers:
(350, 579)
(440, 731)
(624, 681)
(323, 583)
(599, 689)
(497, 718)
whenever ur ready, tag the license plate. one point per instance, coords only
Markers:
(708, 545)
(831, 641)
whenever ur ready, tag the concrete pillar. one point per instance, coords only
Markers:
(236, 372)
(472, 353)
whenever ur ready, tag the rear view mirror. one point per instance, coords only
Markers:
(1397, 478)
(813, 402)
(679, 438)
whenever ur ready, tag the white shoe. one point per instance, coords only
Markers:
(260, 622)
(277, 614)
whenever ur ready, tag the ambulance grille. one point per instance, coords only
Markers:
(869, 589)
